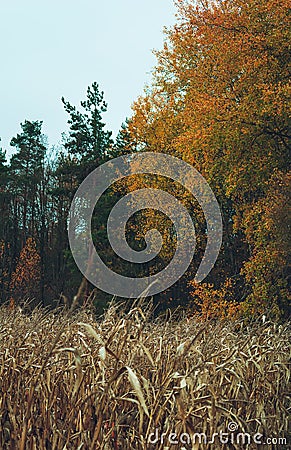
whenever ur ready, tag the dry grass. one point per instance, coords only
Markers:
(68, 382)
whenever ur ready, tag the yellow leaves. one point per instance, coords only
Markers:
(214, 303)
(220, 100)
(267, 225)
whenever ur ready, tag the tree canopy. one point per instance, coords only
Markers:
(220, 100)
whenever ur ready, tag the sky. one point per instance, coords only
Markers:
(55, 48)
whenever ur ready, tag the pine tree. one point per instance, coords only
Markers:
(5, 228)
(27, 173)
(87, 141)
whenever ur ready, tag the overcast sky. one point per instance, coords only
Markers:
(55, 48)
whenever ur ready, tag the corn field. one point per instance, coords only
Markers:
(68, 381)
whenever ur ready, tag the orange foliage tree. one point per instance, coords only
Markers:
(25, 280)
(215, 303)
(220, 100)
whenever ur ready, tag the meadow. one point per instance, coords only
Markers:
(126, 381)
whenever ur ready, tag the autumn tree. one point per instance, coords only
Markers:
(25, 281)
(220, 100)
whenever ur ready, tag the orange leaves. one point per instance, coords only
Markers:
(214, 303)
(220, 100)
(26, 277)
(267, 228)
(11, 304)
